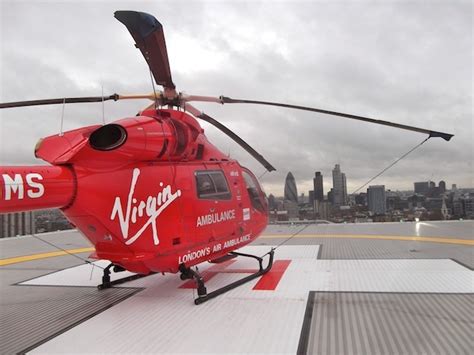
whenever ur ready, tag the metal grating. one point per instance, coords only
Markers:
(38, 314)
(387, 323)
(352, 249)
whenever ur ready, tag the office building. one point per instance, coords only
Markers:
(318, 186)
(322, 209)
(422, 188)
(376, 199)
(311, 197)
(272, 204)
(442, 187)
(339, 186)
(291, 194)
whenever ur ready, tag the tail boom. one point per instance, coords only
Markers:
(27, 188)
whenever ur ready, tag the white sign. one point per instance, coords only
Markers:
(215, 218)
(246, 214)
(137, 211)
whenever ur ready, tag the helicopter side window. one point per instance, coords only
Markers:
(205, 185)
(253, 191)
(212, 185)
(219, 182)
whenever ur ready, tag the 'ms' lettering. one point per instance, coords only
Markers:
(37, 189)
(16, 186)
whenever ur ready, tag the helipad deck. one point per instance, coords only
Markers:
(366, 288)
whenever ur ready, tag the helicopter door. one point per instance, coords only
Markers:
(216, 210)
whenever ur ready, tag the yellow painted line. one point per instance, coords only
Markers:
(379, 237)
(21, 259)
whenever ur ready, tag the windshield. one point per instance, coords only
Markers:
(257, 197)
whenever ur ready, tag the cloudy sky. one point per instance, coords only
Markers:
(404, 61)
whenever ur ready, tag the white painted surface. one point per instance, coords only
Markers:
(83, 275)
(163, 318)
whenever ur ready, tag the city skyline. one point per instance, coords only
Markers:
(427, 200)
(327, 186)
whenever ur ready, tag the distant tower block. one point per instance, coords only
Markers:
(339, 186)
(442, 186)
(422, 187)
(291, 194)
(318, 186)
(376, 199)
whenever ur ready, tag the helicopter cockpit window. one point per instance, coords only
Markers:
(212, 185)
(254, 192)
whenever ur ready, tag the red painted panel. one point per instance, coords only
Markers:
(267, 282)
(271, 279)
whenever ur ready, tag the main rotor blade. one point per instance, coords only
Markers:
(149, 38)
(232, 135)
(445, 136)
(65, 100)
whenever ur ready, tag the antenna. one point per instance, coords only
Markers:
(62, 118)
(103, 106)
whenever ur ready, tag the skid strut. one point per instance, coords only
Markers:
(203, 296)
(107, 283)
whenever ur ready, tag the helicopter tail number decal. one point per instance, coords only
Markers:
(26, 188)
(15, 185)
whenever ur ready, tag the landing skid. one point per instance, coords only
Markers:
(203, 296)
(107, 283)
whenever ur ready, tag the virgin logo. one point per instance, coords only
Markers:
(144, 212)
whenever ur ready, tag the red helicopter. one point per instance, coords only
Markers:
(150, 192)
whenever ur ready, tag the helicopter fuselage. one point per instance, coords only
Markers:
(149, 192)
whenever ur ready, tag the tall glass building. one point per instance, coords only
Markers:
(318, 186)
(291, 194)
(339, 186)
(376, 199)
